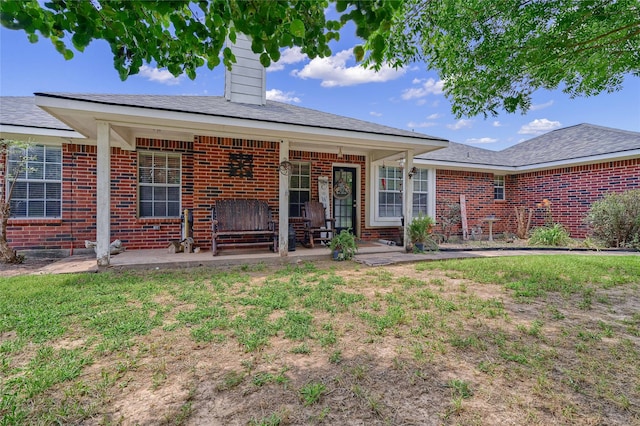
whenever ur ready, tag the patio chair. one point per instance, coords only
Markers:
(317, 227)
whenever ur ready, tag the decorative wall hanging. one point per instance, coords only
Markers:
(286, 167)
(241, 165)
(341, 190)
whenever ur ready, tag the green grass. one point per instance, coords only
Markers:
(69, 343)
(534, 276)
(312, 392)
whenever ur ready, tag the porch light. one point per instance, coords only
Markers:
(412, 172)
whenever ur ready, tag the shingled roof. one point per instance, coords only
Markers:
(22, 111)
(570, 143)
(273, 112)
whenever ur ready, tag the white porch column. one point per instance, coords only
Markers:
(407, 186)
(103, 207)
(283, 224)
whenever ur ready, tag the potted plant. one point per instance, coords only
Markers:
(420, 230)
(343, 245)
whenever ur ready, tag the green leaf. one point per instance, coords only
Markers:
(265, 60)
(213, 61)
(358, 52)
(297, 28)
(33, 38)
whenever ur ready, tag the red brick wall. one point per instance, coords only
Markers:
(205, 178)
(211, 180)
(78, 208)
(572, 190)
(478, 191)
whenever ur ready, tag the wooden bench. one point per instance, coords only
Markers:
(242, 223)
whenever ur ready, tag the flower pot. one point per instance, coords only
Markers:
(336, 255)
(419, 247)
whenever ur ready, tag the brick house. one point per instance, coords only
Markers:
(571, 167)
(126, 167)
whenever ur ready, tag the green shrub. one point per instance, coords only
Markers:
(615, 220)
(554, 235)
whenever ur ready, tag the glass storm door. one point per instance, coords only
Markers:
(344, 198)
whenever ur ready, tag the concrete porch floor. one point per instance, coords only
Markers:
(160, 258)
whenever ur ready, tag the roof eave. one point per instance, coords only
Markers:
(13, 131)
(489, 168)
(81, 114)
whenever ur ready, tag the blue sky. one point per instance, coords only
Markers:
(410, 98)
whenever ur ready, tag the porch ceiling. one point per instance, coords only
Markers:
(129, 122)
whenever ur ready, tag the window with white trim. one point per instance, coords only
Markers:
(37, 192)
(159, 183)
(389, 192)
(299, 187)
(498, 188)
(420, 192)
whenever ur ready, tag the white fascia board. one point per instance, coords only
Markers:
(574, 162)
(594, 159)
(454, 165)
(210, 124)
(9, 129)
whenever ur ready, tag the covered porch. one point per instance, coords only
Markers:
(277, 133)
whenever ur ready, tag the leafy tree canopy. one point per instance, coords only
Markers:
(184, 35)
(491, 54)
(495, 54)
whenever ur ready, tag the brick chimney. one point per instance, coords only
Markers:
(247, 82)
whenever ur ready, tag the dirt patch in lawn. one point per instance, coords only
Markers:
(418, 348)
(30, 265)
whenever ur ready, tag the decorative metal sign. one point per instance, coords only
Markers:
(341, 189)
(241, 165)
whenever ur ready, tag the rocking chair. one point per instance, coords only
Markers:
(317, 227)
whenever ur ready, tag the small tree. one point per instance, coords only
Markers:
(450, 217)
(9, 174)
(523, 221)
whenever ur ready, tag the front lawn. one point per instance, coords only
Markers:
(513, 340)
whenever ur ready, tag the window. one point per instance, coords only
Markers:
(389, 192)
(498, 188)
(420, 192)
(299, 188)
(37, 192)
(159, 177)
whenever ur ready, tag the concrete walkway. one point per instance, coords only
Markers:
(369, 254)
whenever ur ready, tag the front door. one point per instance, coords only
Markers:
(344, 198)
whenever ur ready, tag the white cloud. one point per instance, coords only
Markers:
(334, 71)
(537, 107)
(280, 96)
(421, 102)
(497, 124)
(434, 116)
(375, 114)
(460, 124)
(481, 140)
(159, 76)
(538, 127)
(287, 57)
(427, 87)
(414, 125)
